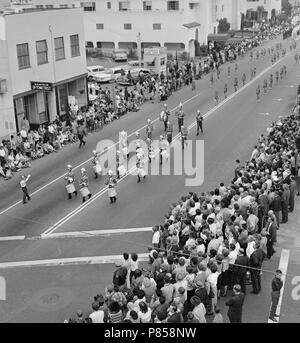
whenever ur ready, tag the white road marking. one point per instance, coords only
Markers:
(103, 190)
(88, 160)
(264, 114)
(283, 266)
(12, 238)
(69, 261)
(91, 233)
(277, 99)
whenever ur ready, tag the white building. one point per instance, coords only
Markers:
(43, 62)
(113, 24)
(270, 6)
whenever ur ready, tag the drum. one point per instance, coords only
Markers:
(151, 154)
(125, 151)
(98, 169)
(141, 172)
(165, 154)
(70, 188)
(122, 171)
(112, 192)
(84, 191)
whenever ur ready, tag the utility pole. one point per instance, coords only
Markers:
(139, 48)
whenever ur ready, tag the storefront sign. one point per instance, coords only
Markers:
(41, 86)
(151, 51)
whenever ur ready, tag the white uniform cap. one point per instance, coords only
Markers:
(69, 166)
(83, 170)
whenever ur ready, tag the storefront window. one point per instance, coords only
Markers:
(63, 99)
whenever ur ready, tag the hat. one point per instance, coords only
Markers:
(195, 301)
(241, 250)
(69, 166)
(82, 170)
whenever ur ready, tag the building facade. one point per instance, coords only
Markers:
(262, 9)
(45, 63)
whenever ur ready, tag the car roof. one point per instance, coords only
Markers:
(95, 67)
(124, 67)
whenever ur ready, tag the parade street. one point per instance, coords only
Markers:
(49, 227)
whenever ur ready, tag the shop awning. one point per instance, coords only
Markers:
(191, 25)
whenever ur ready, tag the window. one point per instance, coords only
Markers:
(100, 26)
(127, 26)
(39, 6)
(59, 48)
(123, 5)
(75, 50)
(156, 26)
(173, 5)
(108, 5)
(88, 6)
(41, 52)
(147, 5)
(49, 6)
(63, 6)
(23, 56)
(192, 6)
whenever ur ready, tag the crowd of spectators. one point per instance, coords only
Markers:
(210, 242)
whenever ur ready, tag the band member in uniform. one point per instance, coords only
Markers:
(23, 184)
(236, 84)
(284, 70)
(271, 81)
(184, 134)
(149, 129)
(70, 186)
(118, 163)
(199, 120)
(164, 116)
(244, 79)
(258, 93)
(169, 132)
(83, 183)
(96, 165)
(277, 76)
(216, 97)
(151, 152)
(124, 144)
(111, 183)
(281, 73)
(225, 90)
(254, 72)
(180, 116)
(211, 79)
(140, 169)
(265, 86)
(138, 142)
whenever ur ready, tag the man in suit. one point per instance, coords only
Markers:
(276, 206)
(240, 269)
(271, 237)
(256, 260)
(275, 294)
(236, 305)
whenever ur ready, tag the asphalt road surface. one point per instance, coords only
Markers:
(50, 227)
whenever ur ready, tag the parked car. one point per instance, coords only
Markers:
(119, 55)
(104, 76)
(92, 70)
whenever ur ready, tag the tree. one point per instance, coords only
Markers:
(224, 26)
(286, 7)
